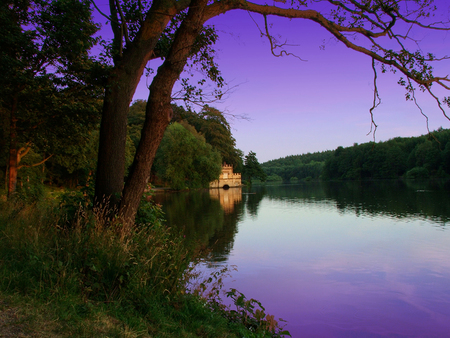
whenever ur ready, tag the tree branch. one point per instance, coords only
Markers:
(376, 101)
(35, 164)
(22, 152)
(413, 95)
(390, 58)
(123, 24)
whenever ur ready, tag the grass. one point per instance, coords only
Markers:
(64, 273)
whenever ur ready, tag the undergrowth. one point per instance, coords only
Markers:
(61, 255)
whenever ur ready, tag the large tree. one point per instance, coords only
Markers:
(173, 31)
(252, 168)
(213, 125)
(185, 160)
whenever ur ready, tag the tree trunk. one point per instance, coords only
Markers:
(121, 85)
(12, 163)
(159, 110)
(12, 174)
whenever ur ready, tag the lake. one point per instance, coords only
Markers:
(350, 259)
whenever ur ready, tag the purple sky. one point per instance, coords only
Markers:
(319, 104)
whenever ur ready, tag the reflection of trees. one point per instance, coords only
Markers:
(253, 198)
(222, 241)
(194, 213)
(392, 198)
(398, 199)
(202, 219)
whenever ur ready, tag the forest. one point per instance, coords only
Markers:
(190, 155)
(426, 156)
(422, 157)
(303, 167)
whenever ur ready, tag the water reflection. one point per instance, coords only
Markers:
(211, 217)
(398, 199)
(207, 218)
(228, 198)
(334, 259)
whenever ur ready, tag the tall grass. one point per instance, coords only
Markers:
(45, 255)
(61, 254)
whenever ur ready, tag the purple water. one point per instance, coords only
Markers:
(332, 273)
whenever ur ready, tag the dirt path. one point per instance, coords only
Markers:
(12, 323)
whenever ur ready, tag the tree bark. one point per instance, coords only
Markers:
(121, 85)
(12, 163)
(159, 110)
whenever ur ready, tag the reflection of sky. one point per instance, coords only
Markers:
(338, 275)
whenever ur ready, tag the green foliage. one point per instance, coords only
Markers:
(212, 124)
(136, 283)
(50, 89)
(149, 212)
(252, 168)
(426, 156)
(417, 173)
(274, 178)
(251, 314)
(244, 313)
(209, 125)
(185, 160)
(30, 187)
(300, 166)
(89, 257)
(136, 118)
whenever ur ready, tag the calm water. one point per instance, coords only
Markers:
(334, 260)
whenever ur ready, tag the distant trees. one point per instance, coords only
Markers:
(252, 168)
(414, 157)
(306, 166)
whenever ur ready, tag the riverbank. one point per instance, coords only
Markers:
(64, 273)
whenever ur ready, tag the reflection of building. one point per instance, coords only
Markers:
(227, 179)
(227, 198)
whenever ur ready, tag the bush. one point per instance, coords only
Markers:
(149, 212)
(417, 173)
(274, 178)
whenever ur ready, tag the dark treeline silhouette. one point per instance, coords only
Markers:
(426, 156)
(306, 166)
(422, 157)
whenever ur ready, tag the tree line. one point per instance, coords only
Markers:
(193, 148)
(426, 156)
(422, 157)
(303, 167)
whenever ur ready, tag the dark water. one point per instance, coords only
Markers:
(334, 260)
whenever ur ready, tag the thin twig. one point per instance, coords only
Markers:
(376, 101)
(413, 91)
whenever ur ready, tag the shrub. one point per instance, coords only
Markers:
(417, 173)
